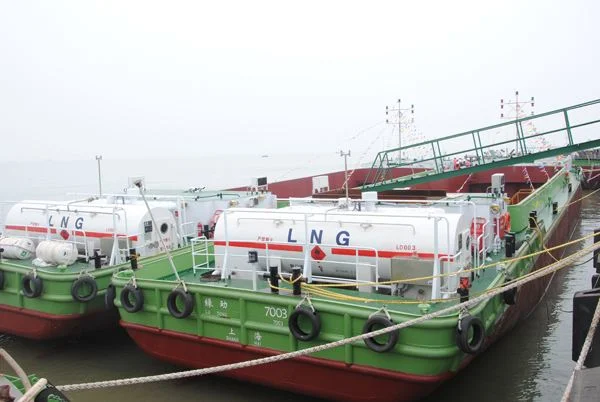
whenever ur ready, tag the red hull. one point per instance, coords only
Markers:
(330, 379)
(305, 375)
(40, 326)
(591, 177)
(302, 187)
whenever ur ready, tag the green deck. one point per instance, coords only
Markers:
(231, 311)
(17, 383)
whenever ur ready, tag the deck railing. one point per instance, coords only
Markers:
(523, 140)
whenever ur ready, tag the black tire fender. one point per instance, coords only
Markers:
(315, 323)
(50, 394)
(470, 344)
(188, 303)
(382, 321)
(138, 299)
(84, 281)
(109, 296)
(32, 286)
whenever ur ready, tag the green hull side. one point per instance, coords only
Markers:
(236, 315)
(56, 295)
(540, 201)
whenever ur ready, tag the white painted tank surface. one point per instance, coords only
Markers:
(93, 225)
(338, 238)
(17, 248)
(192, 211)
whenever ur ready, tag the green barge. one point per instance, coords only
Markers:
(357, 265)
(57, 258)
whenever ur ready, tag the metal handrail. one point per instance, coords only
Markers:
(204, 252)
(481, 149)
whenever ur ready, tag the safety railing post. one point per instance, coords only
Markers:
(193, 256)
(568, 127)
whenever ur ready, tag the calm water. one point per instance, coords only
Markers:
(532, 363)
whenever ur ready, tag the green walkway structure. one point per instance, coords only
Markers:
(523, 140)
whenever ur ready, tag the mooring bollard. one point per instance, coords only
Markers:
(296, 281)
(274, 279)
(532, 219)
(133, 258)
(97, 257)
(510, 244)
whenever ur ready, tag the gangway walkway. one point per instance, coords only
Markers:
(523, 140)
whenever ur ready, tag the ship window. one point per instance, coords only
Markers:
(163, 228)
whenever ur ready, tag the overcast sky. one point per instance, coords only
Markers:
(175, 78)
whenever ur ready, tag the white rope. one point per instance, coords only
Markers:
(466, 181)
(160, 237)
(285, 356)
(584, 352)
(17, 369)
(34, 391)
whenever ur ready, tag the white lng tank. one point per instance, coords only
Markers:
(337, 238)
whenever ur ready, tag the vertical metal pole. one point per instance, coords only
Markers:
(193, 243)
(399, 133)
(596, 254)
(346, 155)
(568, 127)
(517, 113)
(435, 285)
(307, 260)
(99, 158)
(225, 268)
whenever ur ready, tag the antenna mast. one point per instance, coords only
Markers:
(518, 109)
(399, 109)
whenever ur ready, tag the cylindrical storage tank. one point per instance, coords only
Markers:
(17, 248)
(55, 252)
(338, 238)
(94, 224)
